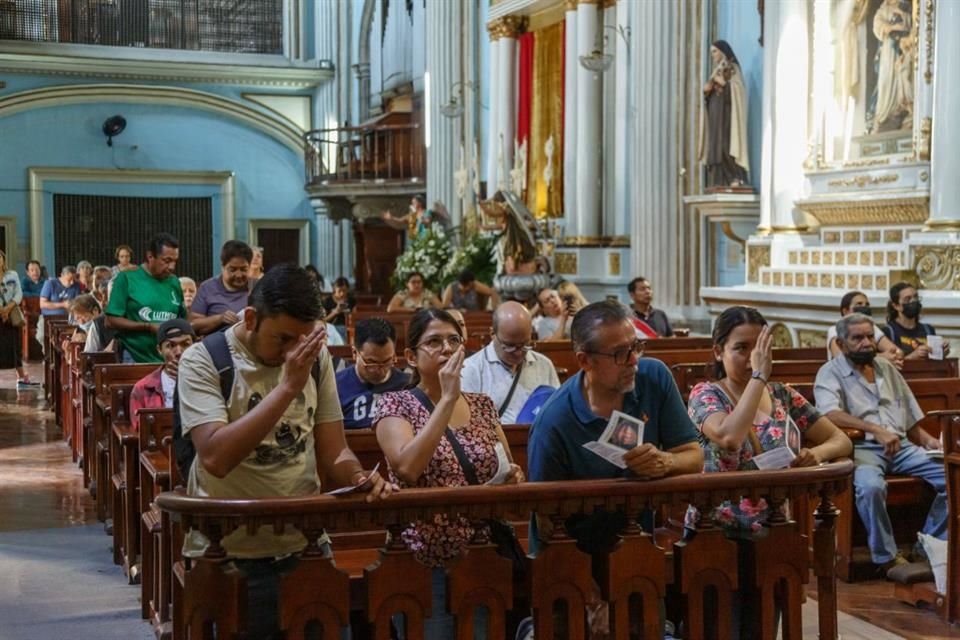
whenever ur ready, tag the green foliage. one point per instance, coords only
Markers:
(428, 254)
(478, 254)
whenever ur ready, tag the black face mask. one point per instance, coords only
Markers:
(912, 309)
(867, 311)
(862, 357)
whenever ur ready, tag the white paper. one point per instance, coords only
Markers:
(503, 465)
(935, 343)
(794, 438)
(622, 433)
(779, 458)
(935, 454)
(363, 486)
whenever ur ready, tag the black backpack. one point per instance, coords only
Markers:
(216, 346)
(183, 449)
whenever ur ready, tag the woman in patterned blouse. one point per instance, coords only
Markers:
(415, 428)
(744, 413)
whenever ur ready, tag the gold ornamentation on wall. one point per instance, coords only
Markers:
(864, 180)
(893, 211)
(613, 263)
(546, 124)
(850, 237)
(781, 336)
(565, 262)
(893, 235)
(929, 13)
(757, 256)
(871, 236)
(831, 237)
(506, 27)
(809, 338)
(594, 241)
(939, 267)
(926, 130)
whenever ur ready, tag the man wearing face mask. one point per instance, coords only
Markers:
(903, 323)
(857, 302)
(360, 386)
(861, 391)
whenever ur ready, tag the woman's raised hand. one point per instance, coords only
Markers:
(761, 359)
(450, 375)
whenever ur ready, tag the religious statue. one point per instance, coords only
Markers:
(419, 220)
(892, 107)
(723, 130)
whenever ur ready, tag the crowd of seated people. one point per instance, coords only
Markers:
(437, 411)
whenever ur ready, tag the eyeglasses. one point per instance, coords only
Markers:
(436, 343)
(513, 348)
(622, 356)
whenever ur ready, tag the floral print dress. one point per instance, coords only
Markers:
(708, 398)
(436, 542)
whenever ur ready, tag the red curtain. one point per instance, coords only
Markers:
(524, 87)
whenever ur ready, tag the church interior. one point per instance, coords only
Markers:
(771, 171)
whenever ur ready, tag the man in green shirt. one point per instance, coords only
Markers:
(144, 298)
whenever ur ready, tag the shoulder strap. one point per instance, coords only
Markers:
(513, 387)
(219, 350)
(469, 471)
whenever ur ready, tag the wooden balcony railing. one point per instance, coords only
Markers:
(377, 153)
(701, 570)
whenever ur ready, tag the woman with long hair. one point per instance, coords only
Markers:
(413, 296)
(10, 343)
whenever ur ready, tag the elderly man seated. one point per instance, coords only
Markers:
(508, 370)
(861, 391)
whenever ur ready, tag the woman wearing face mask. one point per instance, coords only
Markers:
(857, 302)
(904, 328)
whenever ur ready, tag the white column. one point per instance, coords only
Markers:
(493, 135)
(589, 189)
(770, 30)
(619, 100)
(507, 97)
(470, 67)
(789, 91)
(655, 238)
(945, 161)
(327, 115)
(443, 62)
(571, 64)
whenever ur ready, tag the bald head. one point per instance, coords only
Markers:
(511, 315)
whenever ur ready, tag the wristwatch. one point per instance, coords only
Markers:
(759, 376)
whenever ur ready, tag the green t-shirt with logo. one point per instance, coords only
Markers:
(139, 297)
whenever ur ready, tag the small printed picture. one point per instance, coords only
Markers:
(626, 434)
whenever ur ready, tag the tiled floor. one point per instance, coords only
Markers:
(41, 488)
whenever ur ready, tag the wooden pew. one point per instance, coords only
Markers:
(951, 449)
(88, 393)
(30, 307)
(154, 468)
(636, 568)
(399, 320)
(49, 359)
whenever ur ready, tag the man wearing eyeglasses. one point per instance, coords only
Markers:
(507, 369)
(613, 377)
(360, 386)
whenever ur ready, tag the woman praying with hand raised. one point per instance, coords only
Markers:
(434, 435)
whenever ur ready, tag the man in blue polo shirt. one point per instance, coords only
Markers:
(360, 386)
(613, 377)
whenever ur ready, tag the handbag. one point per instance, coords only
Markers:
(502, 535)
(16, 315)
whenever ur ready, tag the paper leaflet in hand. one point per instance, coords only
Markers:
(623, 433)
(782, 457)
(503, 465)
(363, 486)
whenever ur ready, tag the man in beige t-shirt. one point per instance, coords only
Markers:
(278, 428)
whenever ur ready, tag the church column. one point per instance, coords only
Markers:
(327, 115)
(788, 91)
(444, 57)
(945, 161)
(503, 98)
(656, 233)
(589, 190)
(571, 64)
(493, 135)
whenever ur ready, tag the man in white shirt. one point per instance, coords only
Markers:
(507, 369)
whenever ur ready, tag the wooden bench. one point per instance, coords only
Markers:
(30, 307)
(212, 596)
(154, 468)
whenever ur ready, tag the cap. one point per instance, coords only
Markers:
(174, 329)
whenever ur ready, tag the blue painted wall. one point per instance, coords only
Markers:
(739, 24)
(269, 176)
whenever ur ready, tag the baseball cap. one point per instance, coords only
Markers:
(174, 329)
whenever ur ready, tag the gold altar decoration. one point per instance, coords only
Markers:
(546, 121)
(926, 129)
(757, 256)
(565, 263)
(928, 70)
(907, 210)
(780, 336)
(939, 267)
(863, 180)
(809, 338)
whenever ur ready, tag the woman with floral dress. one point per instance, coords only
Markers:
(415, 429)
(743, 414)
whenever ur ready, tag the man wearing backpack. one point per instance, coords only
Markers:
(269, 433)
